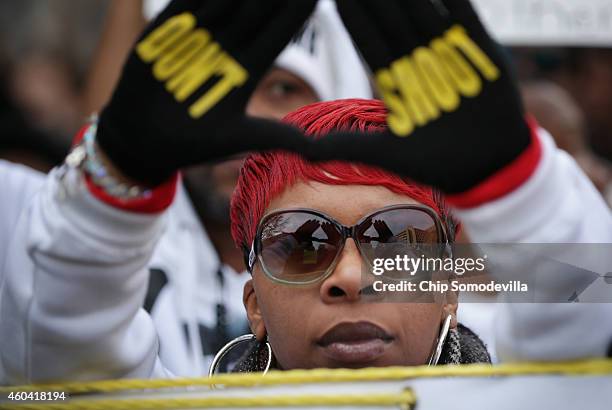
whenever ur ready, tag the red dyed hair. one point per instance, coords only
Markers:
(266, 175)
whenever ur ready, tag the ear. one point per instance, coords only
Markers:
(249, 298)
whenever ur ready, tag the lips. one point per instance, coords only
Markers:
(354, 343)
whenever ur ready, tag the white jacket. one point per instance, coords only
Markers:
(17, 186)
(184, 309)
(557, 204)
(77, 271)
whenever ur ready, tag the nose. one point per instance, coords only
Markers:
(345, 283)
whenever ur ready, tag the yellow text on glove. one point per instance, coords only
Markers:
(185, 58)
(418, 87)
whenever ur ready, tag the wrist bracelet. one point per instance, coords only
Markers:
(90, 164)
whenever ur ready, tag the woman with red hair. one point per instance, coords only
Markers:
(306, 230)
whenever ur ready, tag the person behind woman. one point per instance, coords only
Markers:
(306, 297)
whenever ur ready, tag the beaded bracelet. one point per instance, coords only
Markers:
(85, 157)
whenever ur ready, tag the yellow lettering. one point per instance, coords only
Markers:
(196, 73)
(175, 58)
(417, 88)
(457, 36)
(435, 77)
(398, 118)
(186, 59)
(164, 36)
(234, 75)
(465, 78)
(410, 86)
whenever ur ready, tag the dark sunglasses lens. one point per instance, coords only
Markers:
(298, 247)
(402, 225)
(399, 232)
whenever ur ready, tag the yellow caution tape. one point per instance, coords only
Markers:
(405, 400)
(573, 368)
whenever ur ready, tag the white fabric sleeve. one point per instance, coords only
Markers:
(17, 186)
(558, 204)
(76, 277)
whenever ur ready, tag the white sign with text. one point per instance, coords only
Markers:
(548, 22)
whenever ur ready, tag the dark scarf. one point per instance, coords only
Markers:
(462, 346)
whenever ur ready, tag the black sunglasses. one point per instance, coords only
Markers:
(303, 246)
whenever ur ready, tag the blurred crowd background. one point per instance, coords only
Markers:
(47, 48)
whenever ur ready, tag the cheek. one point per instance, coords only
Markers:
(285, 313)
(259, 107)
(420, 326)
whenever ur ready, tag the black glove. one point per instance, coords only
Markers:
(455, 116)
(182, 95)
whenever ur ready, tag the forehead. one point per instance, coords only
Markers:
(345, 203)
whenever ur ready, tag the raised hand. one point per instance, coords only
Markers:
(455, 117)
(183, 91)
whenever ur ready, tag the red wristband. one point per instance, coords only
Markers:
(158, 199)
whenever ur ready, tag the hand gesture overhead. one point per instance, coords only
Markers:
(182, 95)
(455, 116)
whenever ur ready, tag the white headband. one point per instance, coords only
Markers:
(324, 56)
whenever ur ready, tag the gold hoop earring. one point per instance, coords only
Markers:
(437, 352)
